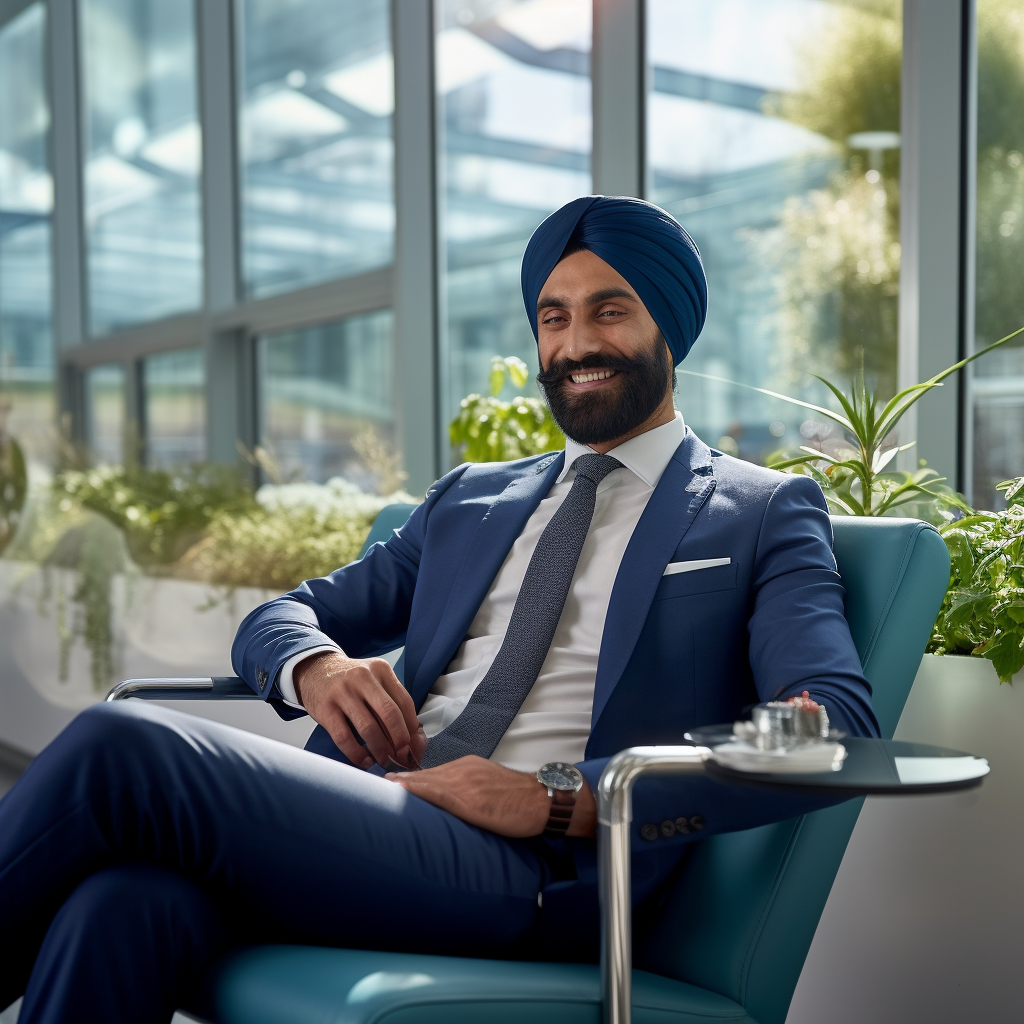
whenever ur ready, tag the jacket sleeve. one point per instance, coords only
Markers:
(799, 640)
(363, 608)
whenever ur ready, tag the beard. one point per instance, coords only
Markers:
(602, 415)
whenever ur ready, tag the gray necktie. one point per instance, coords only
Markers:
(498, 698)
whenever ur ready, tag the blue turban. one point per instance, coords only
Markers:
(646, 245)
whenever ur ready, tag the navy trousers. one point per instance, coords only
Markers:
(142, 843)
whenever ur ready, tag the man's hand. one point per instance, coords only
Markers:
(491, 796)
(345, 694)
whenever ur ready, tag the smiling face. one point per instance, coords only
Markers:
(605, 368)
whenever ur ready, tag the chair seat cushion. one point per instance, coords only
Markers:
(312, 985)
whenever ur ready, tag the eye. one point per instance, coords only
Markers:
(611, 313)
(554, 318)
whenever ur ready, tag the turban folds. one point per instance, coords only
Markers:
(646, 245)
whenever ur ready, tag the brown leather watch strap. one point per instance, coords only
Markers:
(563, 803)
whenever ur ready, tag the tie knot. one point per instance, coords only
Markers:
(595, 467)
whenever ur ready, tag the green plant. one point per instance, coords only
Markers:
(490, 430)
(162, 514)
(855, 477)
(983, 611)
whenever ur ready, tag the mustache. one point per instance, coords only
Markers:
(562, 368)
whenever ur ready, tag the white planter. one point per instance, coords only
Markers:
(926, 918)
(161, 627)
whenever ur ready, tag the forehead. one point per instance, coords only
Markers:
(580, 275)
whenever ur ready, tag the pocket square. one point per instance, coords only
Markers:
(697, 563)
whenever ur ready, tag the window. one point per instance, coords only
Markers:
(773, 137)
(997, 381)
(514, 87)
(175, 408)
(105, 415)
(315, 139)
(327, 406)
(26, 202)
(142, 161)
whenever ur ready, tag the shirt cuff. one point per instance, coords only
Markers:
(285, 682)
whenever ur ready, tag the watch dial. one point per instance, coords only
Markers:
(559, 776)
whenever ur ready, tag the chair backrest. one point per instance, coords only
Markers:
(740, 916)
(389, 518)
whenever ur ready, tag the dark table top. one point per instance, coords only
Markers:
(872, 768)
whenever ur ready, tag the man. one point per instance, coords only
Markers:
(553, 611)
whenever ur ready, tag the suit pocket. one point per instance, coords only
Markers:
(699, 581)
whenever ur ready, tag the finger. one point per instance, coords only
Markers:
(337, 726)
(390, 720)
(403, 699)
(365, 723)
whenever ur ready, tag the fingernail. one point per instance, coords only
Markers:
(367, 762)
(420, 733)
(404, 756)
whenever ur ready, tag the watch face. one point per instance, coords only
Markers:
(558, 775)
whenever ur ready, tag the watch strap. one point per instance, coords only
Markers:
(563, 803)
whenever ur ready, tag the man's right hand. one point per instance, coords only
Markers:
(349, 695)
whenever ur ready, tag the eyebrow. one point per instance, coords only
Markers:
(559, 301)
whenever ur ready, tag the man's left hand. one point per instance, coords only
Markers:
(491, 796)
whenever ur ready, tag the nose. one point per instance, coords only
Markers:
(579, 340)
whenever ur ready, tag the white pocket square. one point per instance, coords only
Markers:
(697, 563)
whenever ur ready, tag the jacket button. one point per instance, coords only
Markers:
(683, 826)
(649, 831)
(696, 823)
(668, 828)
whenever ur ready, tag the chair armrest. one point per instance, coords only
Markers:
(205, 688)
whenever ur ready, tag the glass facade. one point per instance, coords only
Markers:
(997, 380)
(315, 141)
(773, 137)
(513, 83)
(143, 154)
(174, 403)
(26, 202)
(326, 401)
(106, 421)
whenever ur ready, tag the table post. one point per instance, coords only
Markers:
(614, 814)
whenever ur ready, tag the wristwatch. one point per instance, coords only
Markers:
(563, 782)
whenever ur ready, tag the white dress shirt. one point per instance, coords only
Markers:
(553, 723)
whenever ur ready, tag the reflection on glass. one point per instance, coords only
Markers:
(105, 424)
(143, 155)
(315, 138)
(326, 401)
(997, 380)
(773, 137)
(26, 202)
(514, 87)
(175, 404)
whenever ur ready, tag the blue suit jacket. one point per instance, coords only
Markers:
(678, 651)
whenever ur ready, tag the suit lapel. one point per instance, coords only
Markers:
(501, 525)
(681, 492)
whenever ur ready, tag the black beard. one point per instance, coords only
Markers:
(614, 410)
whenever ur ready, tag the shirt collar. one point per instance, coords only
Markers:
(646, 455)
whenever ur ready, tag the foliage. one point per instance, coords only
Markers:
(489, 430)
(162, 514)
(13, 488)
(983, 611)
(836, 249)
(201, 523)
(293, 532)
(1000, 178)
(855, 477)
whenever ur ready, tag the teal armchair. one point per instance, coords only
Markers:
(729, 938)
